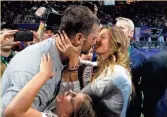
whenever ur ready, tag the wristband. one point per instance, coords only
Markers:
(73, 68)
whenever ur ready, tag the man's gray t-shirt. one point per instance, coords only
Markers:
(24, 66)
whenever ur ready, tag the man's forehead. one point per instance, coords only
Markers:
(96, 28)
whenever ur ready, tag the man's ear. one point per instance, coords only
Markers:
(78, 39)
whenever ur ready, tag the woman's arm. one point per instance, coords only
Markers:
(21, 104)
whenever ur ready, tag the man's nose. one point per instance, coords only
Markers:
(98, 39)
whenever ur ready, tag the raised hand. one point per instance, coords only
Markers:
(46, 66)
(5, 38)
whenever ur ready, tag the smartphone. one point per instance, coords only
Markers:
(23, 36)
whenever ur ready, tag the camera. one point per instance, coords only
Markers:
(50, 16)
(23, 36)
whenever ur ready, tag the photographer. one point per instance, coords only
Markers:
(4, 37)
(6, 44)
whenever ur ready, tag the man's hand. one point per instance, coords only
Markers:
(46, 66)
(64, 45)
(5, 38)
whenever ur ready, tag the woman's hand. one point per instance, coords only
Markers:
(46, 66)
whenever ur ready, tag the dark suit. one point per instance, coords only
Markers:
(154, 82)
(137, 60)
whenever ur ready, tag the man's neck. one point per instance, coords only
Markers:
(63, 58)
(5, 53)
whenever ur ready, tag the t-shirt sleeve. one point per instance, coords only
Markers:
(18, 81)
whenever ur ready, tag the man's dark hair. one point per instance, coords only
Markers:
(78, 19)
(90, 5)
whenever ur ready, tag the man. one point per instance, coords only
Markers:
(154, 82)
(136, 63)
(82, 27)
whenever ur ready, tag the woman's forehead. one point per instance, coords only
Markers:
(104, 31)
(78, 99)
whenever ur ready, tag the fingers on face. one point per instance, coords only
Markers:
(60, 42)
(67, 40)
(62, 38)
(63, 42)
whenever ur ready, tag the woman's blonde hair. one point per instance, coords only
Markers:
(118, 54)
(85, 109)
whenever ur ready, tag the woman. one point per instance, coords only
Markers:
(111, 85)
(68, 104)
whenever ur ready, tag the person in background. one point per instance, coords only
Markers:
(161, 41)
(68, 104)
(48, 32)
(44, 32)
(85, 72)
(154, 82)
(137, 60)
(4, 37)
(149, 42)
(161, 109)
(7, 42)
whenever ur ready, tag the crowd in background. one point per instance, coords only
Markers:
(142, 13)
